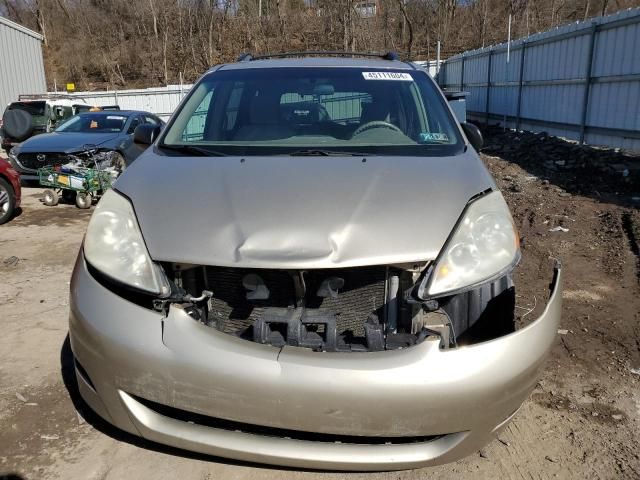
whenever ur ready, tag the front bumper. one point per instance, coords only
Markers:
(450, 401)
(14, 179)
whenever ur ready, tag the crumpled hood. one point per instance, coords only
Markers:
(64, 142)
(299, 212)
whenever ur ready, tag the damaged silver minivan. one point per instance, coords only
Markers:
(310, 266)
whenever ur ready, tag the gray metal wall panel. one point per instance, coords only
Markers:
(476, 101)
(617, 51)
(475, 70)
(503, 100)
(21, 64)
(501, 71)
(615, 105)
(617, 141)
(560, 103)
(551, 91)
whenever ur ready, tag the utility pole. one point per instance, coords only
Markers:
(509, 39)
(504, 123)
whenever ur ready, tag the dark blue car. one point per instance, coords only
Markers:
(104, 130)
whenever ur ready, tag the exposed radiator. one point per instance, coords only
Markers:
(362, 294)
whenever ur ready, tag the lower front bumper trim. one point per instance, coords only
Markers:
(232, 426)
(163, 424)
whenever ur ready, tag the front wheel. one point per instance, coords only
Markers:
(84, 200)
(118, 162)
(7, 201)
(50, 198)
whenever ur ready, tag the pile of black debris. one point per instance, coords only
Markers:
(580, 167)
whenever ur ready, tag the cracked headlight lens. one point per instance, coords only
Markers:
(114, 245)
(484, 245)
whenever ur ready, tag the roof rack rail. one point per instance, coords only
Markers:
(45, 96)
(385, 56)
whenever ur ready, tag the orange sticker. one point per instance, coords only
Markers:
(93, 124)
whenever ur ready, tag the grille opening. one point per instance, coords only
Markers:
(248, 428)
(30, 160)
(356, 309)
(343, 314)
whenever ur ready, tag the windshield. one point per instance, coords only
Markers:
(287, 110)
(94, 123)
(36, 109)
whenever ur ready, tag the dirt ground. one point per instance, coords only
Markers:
(581, 421)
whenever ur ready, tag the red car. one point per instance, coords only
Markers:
(9, 191)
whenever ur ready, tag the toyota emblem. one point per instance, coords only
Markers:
(41, 157)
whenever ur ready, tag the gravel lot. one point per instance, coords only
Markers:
(582, 420)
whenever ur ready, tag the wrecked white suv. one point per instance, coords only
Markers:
(309, 267)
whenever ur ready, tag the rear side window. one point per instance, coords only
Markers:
(37, 109)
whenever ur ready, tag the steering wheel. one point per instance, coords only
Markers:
(376, 124)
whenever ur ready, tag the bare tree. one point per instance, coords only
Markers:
(125, 43)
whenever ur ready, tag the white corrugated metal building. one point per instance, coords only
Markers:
(21, 64)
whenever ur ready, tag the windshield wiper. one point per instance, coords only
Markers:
(315, 152)
(196, 150)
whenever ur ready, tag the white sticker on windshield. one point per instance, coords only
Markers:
(114, 117)
(399, 76)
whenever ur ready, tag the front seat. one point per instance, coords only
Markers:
(264, 118)
(375, 111)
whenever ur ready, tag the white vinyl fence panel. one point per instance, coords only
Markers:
(161, 101)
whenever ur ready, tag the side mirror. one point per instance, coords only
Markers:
(145, 134)
(473, 135)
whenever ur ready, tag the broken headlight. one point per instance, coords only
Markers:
(114, 246)
(484, 245)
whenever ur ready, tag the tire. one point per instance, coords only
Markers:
(17, 124)
(7, 201)
(69, 196)
(118, 162)
(50, 198)
(84, 200)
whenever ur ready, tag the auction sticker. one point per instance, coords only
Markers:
(398, 76)
(433, 137)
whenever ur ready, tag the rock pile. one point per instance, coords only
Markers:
(554, 154)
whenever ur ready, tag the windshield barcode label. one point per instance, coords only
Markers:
(403, 77)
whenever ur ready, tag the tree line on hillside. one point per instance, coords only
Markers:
(133, 43)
